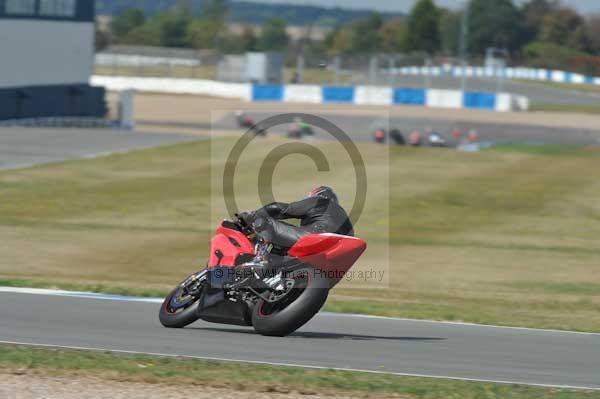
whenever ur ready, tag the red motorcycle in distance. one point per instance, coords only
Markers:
(275, 303)
(379, 136)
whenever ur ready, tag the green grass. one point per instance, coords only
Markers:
(505, 236)
(573, 108)
(256, 378)
(543, 149)
(567, 86)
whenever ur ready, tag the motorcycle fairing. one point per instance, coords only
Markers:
(326, 251)
(227, 245)
(329, 252)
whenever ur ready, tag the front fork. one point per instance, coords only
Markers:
(193, 283)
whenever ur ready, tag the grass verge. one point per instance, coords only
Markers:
(572, 108)
(258, 378)
(586, 88)
(464, 236)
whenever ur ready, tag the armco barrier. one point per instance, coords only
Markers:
(444, 98)
(408, 96)
(302, 94)
(175, 86)
(494, 73)
(373, 95)
(479, 100)
(363, 95)
(337, 94)
(267, 92)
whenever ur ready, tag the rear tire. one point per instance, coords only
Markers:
(181, 317)
(270, 321)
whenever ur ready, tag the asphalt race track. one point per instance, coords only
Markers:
(24, 147)
(361, 127)
(537, 357)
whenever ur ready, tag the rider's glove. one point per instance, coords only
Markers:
(247, 217)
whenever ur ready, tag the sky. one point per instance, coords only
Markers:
(584, 6)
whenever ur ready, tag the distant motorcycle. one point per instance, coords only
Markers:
(228, 291)
(414, 138)
(397, 137)
(436, 140)
(298, 131)
(243, 120)
(379, 136)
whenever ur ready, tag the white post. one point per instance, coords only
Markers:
(126, 118)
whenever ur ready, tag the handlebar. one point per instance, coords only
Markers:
(245, 227)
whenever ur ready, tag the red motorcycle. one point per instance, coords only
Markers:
(276, 302)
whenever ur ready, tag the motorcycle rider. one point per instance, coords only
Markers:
(318, 212)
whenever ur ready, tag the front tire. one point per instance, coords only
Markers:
(178, 311)
(296, 308)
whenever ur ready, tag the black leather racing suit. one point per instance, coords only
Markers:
(317, 215)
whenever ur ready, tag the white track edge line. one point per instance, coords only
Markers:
(126, 298)
(266, 363)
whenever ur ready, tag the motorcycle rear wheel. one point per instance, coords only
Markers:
(285, 316)
(178, 311)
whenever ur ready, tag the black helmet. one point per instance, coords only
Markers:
(323, 192)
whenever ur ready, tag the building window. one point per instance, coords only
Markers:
(57, 8)
(20, 7)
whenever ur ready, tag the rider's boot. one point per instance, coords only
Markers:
(260, 263)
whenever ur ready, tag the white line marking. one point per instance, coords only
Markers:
(123, 298)
(219, 359)
(458, 323)
(78, 294)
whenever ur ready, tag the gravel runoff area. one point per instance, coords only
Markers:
(32, 386)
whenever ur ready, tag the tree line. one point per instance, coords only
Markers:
(538, 33)
(244, 11)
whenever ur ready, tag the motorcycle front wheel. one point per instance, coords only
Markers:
(179, 307)
(296, 308)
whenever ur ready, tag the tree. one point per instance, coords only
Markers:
(532, 14)
(366, 34)
(564, 27)
(101, 39)
(493, 24)
(169, 29)
(124, 23)
(340, 42)
(394, 36)
(423, 27)
(203, 33)
(554, 56)
(450, 27)
(238, 43)
(147, 34)
(578, 39)
(249, 40)
(173, 28)
(274, 36)
(358, 37)
(216, 10)
(593, 30)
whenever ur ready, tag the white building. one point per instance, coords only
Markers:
(47, 58)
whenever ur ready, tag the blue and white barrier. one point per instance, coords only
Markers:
(538, 74)
(378, 95)
(360, 95)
